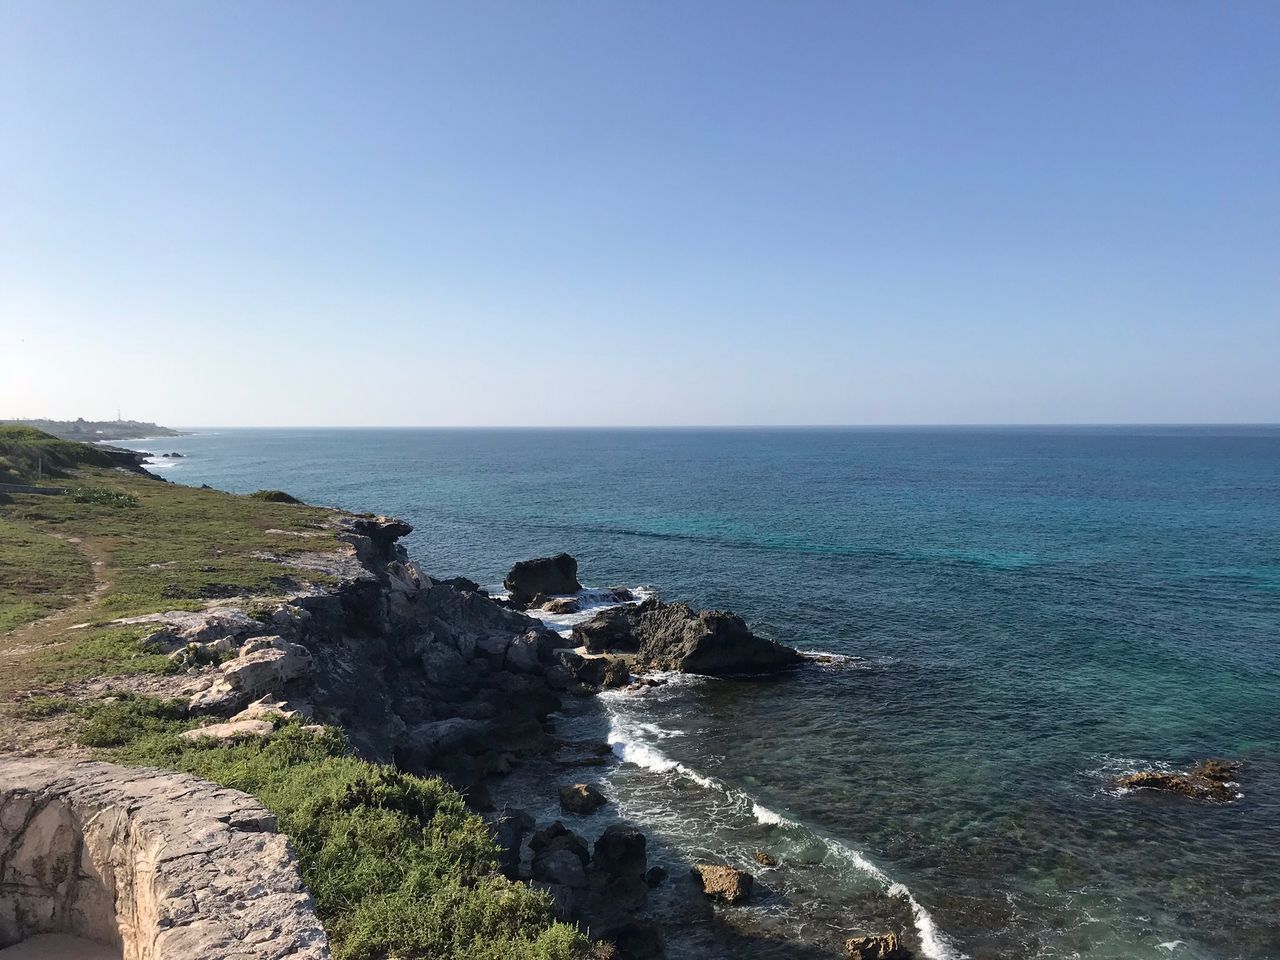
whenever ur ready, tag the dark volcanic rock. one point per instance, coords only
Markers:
(560, 856)
(581, 798)
(1207, 780)
(672, 636)
(546, 575)
(884, 946)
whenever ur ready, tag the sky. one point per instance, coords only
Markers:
(642, 213)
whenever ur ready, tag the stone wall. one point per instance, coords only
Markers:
(161, 865)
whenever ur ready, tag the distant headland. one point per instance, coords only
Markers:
(92, 430)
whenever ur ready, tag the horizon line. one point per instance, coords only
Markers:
(743, 426)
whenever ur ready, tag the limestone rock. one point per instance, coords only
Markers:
(230, 731)
(545, 575)
(727, 884)
(158, 865)
(581, 798)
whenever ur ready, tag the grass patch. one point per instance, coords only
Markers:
(38, 574)
(126, 720)
(40, 707)
(105, 651)
(397, 864)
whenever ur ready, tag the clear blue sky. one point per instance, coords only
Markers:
(640, 213)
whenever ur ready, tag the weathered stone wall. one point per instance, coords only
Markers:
(161, 865)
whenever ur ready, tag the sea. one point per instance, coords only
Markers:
(1015, 616)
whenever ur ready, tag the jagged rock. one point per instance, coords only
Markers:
(884, 946)
(155, 864)
(177, 628)
(764, 859)
(509, 827)
(1207, 780)
(672, 636)
(545, 575)
(727, 884)
(621, 595)
(428, 741)
(560, 856)
(264, 666)
(655, 876)
(581, 798)
(230, 731)
(618, 866)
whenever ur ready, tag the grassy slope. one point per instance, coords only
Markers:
(398, 866)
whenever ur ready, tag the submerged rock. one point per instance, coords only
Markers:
(560, 605)
(673, 636)
(581, 798)
(545, 575)
(728, 884)
(1207, 780)
(884, 946)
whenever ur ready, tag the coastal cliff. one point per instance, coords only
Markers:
(300, 656)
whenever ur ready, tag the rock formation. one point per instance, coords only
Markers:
(546, 576)
(160, 866)
(728, 884)
(672, 636)
(884, 946)
(1207, 780)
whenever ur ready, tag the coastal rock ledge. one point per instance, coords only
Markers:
(152, 865)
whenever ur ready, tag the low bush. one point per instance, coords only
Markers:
(274, 496)
(397, 864)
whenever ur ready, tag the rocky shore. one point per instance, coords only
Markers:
(437, 677)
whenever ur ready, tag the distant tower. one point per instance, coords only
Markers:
(118, 417)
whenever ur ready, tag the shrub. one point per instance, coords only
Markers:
(103, 497)
(397, 864)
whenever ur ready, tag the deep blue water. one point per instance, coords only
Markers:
(1034, 610)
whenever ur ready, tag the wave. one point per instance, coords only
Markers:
(629, 746)
(591, 600)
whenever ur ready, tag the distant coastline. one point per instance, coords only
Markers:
(93, 431)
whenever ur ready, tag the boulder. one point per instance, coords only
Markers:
(1207, 780)
(509, 827)
(546, 575)
(727, 884)
(618, 865)
(581, 798)
(230, 731)
(764, 859)
(884, 946)
(561, 605)
(560, 856)
(673, 636)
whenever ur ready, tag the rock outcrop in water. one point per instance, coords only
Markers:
(673, 636)
(884, 946)
(1207, 780)
(543, 576)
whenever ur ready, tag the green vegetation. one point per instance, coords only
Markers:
(103, 496)
(398, 866)
(28, 455)
(274, 496)
(38, 574)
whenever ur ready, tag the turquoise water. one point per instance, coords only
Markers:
(1027, 612)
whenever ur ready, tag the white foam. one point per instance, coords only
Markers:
(766, 816)
(630, 748)
(591, 600)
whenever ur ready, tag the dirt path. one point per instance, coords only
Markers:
(46, 631)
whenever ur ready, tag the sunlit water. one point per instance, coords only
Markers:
(1025, 613)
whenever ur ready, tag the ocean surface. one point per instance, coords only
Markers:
(1020, 614)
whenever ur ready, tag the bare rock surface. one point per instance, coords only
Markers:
(1207, 780)
(543, 576)
(884, 946)
(153, 864)
(728, 884)
(673, 636)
